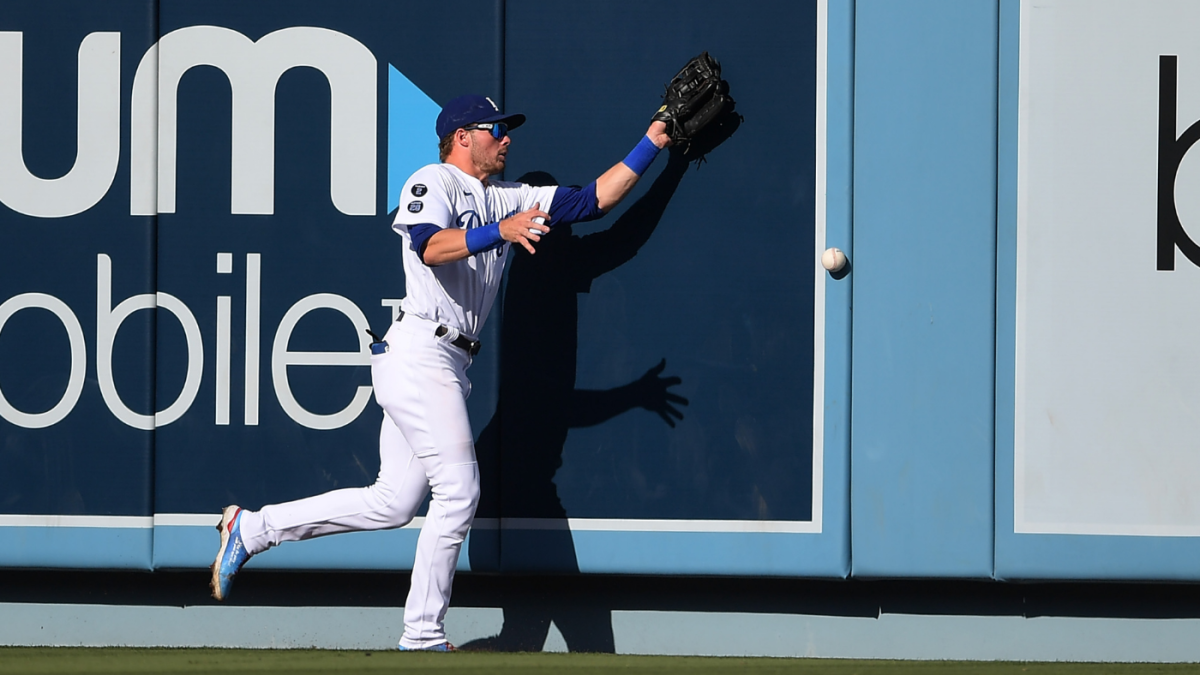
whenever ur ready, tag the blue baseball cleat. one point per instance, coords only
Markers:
(443, 647)
(232, 555)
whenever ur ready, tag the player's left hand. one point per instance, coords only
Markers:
(658, 134)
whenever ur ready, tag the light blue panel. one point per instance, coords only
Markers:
(724, 553)
(1021, 557)
(76, 547)
(924, 292)
(194, 547)
(411, 119)
(839, 209)
(1049, 556)
(1008, 561)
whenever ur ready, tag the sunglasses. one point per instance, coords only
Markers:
(498, 129)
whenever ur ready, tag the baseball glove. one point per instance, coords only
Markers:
(709, 138)
(694, 98)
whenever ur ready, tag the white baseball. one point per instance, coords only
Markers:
(833, 259)
(540, 221)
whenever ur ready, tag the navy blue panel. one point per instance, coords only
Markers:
(699, 286)
(924, 241)
(87, 462)
(693, 285)
(307, 247)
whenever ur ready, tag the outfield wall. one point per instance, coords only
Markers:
(1008, 400)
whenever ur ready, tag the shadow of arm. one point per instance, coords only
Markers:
(590, 407)
(608, 249)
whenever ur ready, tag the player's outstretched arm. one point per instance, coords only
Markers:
(612, 187)
(452, 245)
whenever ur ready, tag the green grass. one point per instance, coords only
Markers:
(194, 661)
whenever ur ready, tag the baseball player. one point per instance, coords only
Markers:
(457, 225)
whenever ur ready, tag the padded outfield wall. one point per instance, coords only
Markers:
(195, 227)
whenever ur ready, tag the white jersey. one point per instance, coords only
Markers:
(458, 294)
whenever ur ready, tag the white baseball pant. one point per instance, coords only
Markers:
(425, 443)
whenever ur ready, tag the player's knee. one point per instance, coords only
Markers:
(380, 495)
(462, 495)
(398, 518)
(472, 496)
(466, 496)
(388, 506)
(473, 486)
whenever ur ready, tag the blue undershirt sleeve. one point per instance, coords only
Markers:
(574, 205)
(420, 235)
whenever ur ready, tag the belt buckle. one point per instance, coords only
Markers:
(463, 342)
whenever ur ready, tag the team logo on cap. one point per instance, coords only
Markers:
(494, 106)
(415, 207)
(419, 190)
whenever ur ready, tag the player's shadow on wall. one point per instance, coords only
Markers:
(538, 403)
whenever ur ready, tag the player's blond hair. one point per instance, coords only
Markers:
(444, 146)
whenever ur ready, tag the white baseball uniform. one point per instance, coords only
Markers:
(421, 382)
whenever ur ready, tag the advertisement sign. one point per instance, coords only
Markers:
(1107, 270)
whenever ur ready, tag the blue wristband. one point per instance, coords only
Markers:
(642, 155)
(486, 238)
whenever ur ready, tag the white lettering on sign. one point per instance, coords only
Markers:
(98, 131)
(108, 322)
(78, 360)
(253, 69)
(281, 358)
(110, 318)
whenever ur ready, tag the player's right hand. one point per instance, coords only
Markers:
(657, 133)
(521, 228)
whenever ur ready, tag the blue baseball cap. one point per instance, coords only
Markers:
(473, 109)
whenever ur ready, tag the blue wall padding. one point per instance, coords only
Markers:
(89, 463)
(924, 243)
(77, 547)
(1044, 556)
(192, 547)
(708, 272)
(839, 232)
(684, 282)
(701, 286)
(736, 553)
(306, 246)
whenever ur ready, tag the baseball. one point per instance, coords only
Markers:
(540, 221)
(833, 259)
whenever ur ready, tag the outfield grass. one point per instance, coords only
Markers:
(194, 661)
